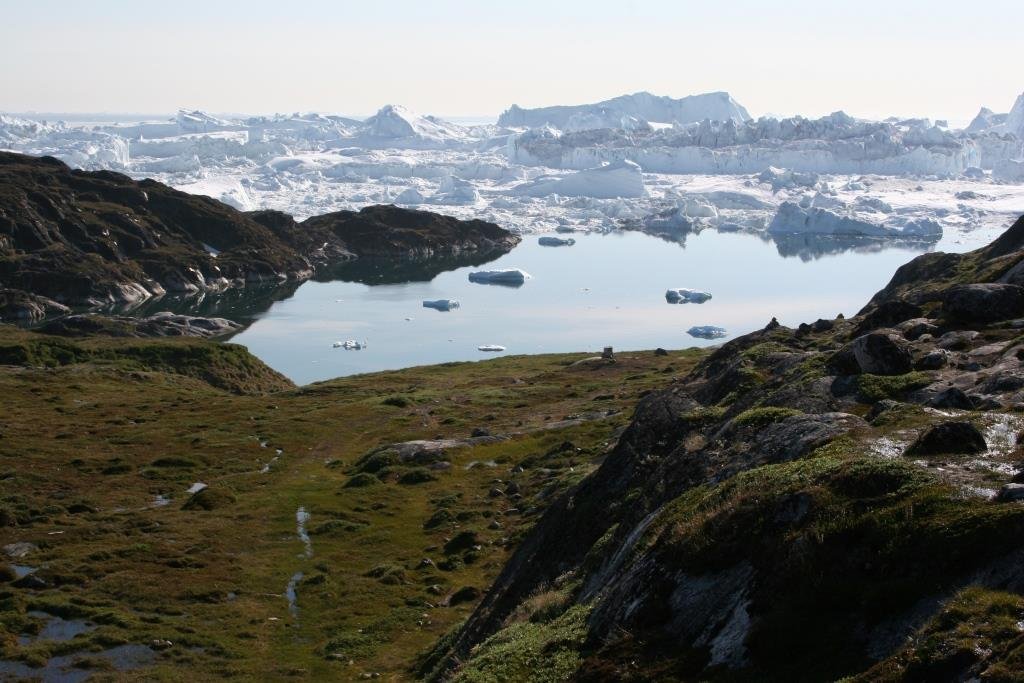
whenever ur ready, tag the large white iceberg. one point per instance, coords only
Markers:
(641, 106)
(793, 218)
(618, 179)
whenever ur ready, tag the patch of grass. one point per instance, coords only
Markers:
(762, 417)
(544, 652)
(874, 388)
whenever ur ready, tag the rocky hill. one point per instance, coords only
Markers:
(836, 500)
(89, 238)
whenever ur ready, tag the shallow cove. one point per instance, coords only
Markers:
(606, 290)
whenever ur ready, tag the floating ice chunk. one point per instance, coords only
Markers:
(350, 345)
(513, 277)
(707, 332)
(441, 304)
(491, 347)
(556, 241)
(686, 296)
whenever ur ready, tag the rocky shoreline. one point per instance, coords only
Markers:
(88, 239)
(806, 504)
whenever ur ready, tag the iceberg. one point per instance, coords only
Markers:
(794, 218)
(617, 179)
(629, 109)
(494, 348)
(556, 241)
(441, 304)
(686, 296)
(707, 332)
(350, 345)
(513, 277)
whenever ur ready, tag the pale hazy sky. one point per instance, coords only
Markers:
(937, 58)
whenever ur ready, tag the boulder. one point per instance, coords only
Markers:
(948, 438)
(1011, 493)
(986, 302)
(882, 354)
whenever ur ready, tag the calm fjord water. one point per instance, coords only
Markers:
(606, 290)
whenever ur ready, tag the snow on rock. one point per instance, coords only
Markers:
(686, 296)
(794, 218)
(629, 110)
(441, 304)
(507, 276)
(617, 179)
(556, 241)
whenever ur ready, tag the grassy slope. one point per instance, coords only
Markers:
(87, 444)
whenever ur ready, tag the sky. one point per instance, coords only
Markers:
(934, 58)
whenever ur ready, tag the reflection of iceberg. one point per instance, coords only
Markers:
(491, 347)
(686, 296)
(441, 304)
(556, 241)
(386, 271)
(510, 277)
(808, 247)
(706, 332)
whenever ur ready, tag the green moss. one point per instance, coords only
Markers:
(362, 480)
(976, 635)
(878, 387)
(762, 417)
(540, 652)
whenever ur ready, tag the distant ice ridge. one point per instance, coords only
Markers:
(630, 112)
(836, 143)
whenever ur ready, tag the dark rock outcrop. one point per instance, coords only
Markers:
(93, 238)
(881, 354)
(736, 528)
(159, 325)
